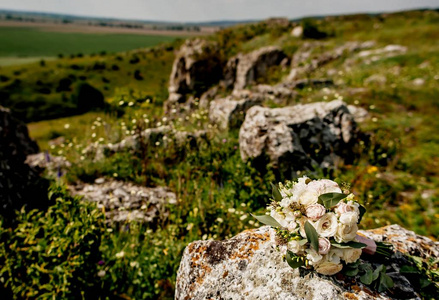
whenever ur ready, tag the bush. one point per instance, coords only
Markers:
(311, 31)
(88, 98)
(53, 254)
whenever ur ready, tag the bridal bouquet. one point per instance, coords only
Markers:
(314, 225)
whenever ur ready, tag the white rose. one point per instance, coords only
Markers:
(351, 255)
(346, 233)
(324, 186)
(349, 218)
(324, 246)
(315, 211)
(308, 197)
(294, 246)
(313, 256)
(298, 188)
(327, 225)
(328, 268)
(286, 201)
(292, 226)
(343, 207)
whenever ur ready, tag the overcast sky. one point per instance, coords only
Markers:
(209, 10)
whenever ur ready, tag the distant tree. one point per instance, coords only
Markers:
(88, 98)
(311, 31)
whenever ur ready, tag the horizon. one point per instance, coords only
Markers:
(208, 13)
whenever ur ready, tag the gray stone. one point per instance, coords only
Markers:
(197, 65)
(246, 69)
(53, 164)
(247, 267)
(124, 202)
(378, 79)
(229, 113)
(299, 137)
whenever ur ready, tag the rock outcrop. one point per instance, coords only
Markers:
(245, 69)
(197, 66)
(55, 165)
(164, 135)
(123, 201)
(19, 183)
(229, 112)
(247, 267)
(299, 137)
(305, 62)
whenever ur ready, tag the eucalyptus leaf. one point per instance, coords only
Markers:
(351, 272)
(276, 194)
(312, 236)
(385, 282)
(293, 260)
(331, 199)
(347, 245)
(367, 277)
(376, 273)
(267, 220)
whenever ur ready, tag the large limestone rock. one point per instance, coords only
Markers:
(229, 112)
(197, 66)
(19, 183)
(299, 137)
(247, 267)
(123, 201)
(245, 69)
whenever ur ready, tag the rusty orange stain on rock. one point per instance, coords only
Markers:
(350, 296)
(252, 243)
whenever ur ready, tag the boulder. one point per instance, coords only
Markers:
(247, 267)
(123, 201)
(299, 137)
(20, 184)
(245, 69)
(229, 113)
(196, 67)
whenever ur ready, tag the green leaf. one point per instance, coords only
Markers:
(267, 220)
(276, 194)
(347, 245)
(376, 273)
(424, 282)
(409, 270)
(351, 272)
(367, 277)
(312, 236)
(293, 260)
(331, 199)
(385, 282)
(362, 210)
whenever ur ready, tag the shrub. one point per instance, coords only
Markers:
(311, 31)
(53, 254)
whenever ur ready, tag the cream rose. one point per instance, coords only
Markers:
(349, 218)
(328, 268)
(324, 246)
(327, 225)
(324, 186)
(294, 246)
(351, 255)
(308, 197)
(313, 256)
(346, 233)
(315, 211)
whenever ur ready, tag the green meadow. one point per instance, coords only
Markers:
(34, 42)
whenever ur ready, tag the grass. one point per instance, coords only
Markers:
(31, 42)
